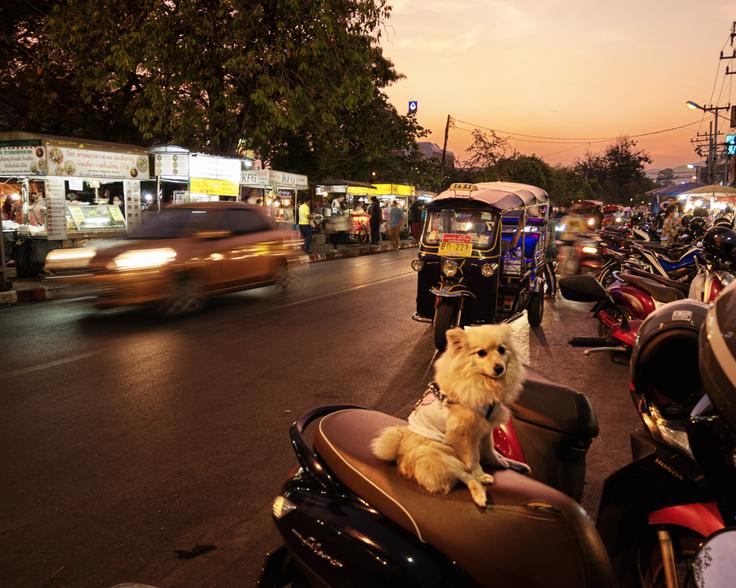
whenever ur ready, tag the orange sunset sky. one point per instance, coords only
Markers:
(562, 68)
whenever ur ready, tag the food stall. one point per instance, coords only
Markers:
(61, 191)
(275, 190)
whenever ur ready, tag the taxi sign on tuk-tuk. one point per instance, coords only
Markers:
(464, 187)
(456, 245)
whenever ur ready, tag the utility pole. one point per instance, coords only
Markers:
(444, 151)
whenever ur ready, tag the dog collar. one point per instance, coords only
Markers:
(434, 389)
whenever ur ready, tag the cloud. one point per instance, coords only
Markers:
(458, 26)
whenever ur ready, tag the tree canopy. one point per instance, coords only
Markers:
(301, 83)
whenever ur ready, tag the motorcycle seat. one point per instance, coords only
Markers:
(556, 407)
(494, 547)
(684, 288)
(658, 291)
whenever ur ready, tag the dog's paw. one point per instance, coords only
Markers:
(478, 492)
(485, 478)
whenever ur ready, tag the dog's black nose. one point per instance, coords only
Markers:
(498, 369)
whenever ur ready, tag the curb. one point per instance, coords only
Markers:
(38, 294)
(42, 293)
(343, 253)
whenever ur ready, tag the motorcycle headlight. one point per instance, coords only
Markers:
(488, 269)
(450, 267)
(590, 250)
(591, 222)
(143, 259)
(417, 265)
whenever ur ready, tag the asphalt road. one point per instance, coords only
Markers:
(124, 438)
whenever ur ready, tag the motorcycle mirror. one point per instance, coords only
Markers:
(582, 289)
(715, 564)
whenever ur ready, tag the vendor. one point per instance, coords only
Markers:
(36, 210)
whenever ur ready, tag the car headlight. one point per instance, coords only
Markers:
(417, 265)
(488, 269)
(143, 259)
(68, 258)
(590, 250)
(450, 267)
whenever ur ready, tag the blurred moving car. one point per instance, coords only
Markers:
(182, 255)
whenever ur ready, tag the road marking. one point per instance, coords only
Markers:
(49, 364)
(336, 292)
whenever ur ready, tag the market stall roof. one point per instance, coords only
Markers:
(339, 182)
(713, 190)
(18, 136)
(501, 195)
(673, 189)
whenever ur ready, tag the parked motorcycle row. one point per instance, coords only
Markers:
(666, 519)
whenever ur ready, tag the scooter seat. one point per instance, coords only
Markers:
(681, 286)
(659, 291)
(526, 522)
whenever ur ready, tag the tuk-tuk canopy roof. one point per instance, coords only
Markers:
(500, 195)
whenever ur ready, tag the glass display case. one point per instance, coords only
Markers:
(85, 218)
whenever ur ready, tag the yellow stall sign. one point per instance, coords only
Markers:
(213, 187)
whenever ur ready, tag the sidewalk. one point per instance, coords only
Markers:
(38, 289)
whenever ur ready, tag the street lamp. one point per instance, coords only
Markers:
(692, 105)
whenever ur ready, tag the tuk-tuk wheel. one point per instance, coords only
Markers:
(445, 318)
(535, 309)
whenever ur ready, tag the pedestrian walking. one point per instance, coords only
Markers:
(305, 225)
(415, 220)
(395, 223)
(375, 222)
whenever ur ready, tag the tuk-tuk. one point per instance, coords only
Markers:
(482, 256)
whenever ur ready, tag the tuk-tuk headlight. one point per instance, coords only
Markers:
(450, 267)
(488, 269)
(417, 265)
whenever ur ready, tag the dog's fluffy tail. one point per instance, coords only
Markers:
(386, 445)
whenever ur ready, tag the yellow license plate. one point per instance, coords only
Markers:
(455, 249)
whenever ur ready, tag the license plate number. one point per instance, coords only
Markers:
(453, 245)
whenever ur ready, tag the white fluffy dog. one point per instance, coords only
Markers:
(450, 429)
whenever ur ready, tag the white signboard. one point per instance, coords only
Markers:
(22, 161)
(214, 168)
(88, 163)
(254, 177)
(286, 180)
(172, 165)
(271, 177)
(55, 209)
(132, 192)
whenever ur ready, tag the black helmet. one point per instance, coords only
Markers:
(697, 226)
(711, 239)
(664, 363)
(718, 355)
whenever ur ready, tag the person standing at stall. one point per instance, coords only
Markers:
(395, 223)
(415, 220)
(376, 218)
(305, 224)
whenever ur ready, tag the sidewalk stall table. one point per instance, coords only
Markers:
(276, 190)
(65, 191)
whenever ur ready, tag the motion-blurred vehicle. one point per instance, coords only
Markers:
(615, 215)
(591, 211)
(180, 256)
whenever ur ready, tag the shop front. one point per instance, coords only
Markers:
(59, 192)
(277, 191)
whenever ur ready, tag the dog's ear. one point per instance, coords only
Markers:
(456, 339)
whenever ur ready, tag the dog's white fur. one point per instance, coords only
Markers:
(471, 381)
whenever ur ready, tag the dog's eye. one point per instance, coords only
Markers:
(482, 352)
(501, 349)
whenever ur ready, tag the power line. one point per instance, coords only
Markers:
(575, 139)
